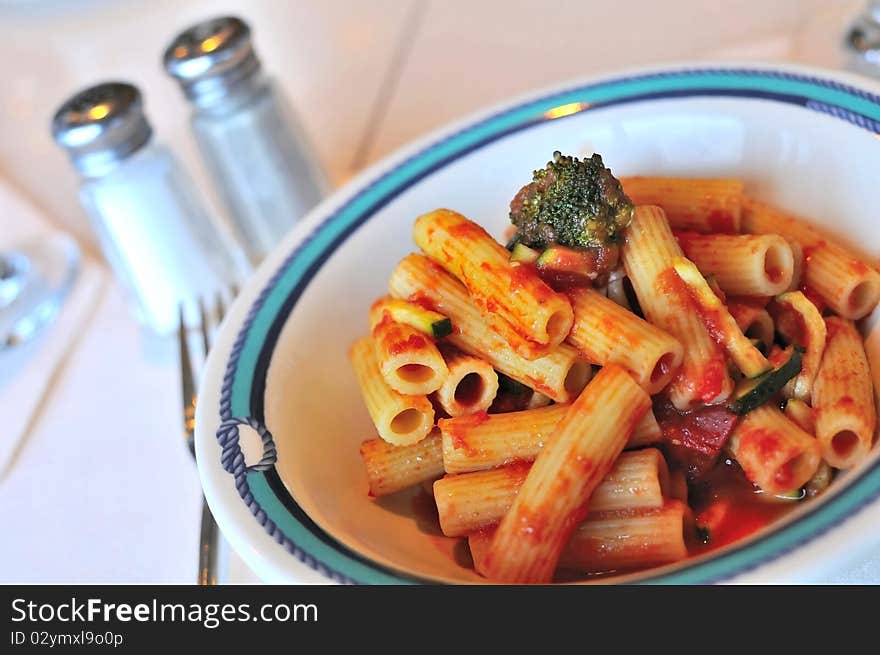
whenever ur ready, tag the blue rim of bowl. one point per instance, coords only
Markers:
(242, 392)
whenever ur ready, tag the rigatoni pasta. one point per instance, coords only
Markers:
(610, 541)
(726, 372)
(699, 204)
(849, 286)
(399, 419)
(797, 271)
(843, 396)
(754, 320)
(608, 334)
(648, 255)
(409, 360)
(646, 433)
(801, 324)
(393, 468)
(482, 441)
(561, 373)
(468, 502)
(718, 321)
(629, 540)
(582, 449)
(846, 284)
(801, 414)
(498, 287)
(774, 452)
(743, 264)
(469, 387)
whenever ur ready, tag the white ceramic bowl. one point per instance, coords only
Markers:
(298, 511)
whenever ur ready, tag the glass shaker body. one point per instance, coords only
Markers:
(261, 162)
(157, 236)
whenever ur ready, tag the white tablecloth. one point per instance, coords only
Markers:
(103, 489)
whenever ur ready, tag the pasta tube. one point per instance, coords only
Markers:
(840, 279)
(718, 321)
(498, 286)
(606, 333)
(754, 321)
(392, 468)
(843, 397)
(774, 452)
(561, 373)
(801, 324)
(471, 501)
(399, 419)
(848, 286)
(471, 385)
(648, 253)
(483, 441)
(742, 264)
(581, 452)
(699, 204)
(801, 414)
(646, 432)
(613, 541)
(678, 485)
(409, 360)
(797, 272)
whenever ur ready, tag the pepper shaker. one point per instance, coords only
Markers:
(153, 229)
(863, 41)
(251, 142)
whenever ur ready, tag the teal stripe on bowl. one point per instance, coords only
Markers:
(323, 241)
(309, 542)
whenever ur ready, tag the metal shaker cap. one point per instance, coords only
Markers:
(210, 58)
(100, 126)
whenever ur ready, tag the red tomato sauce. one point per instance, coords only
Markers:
(713, 320)
(721, 221)
(712, 382)
(468, 230)
(525, 277)
(727, 508)
(423, 300)
(457, 428)
(760, 443)
(413, 342)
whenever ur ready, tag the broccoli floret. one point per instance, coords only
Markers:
(571, 202)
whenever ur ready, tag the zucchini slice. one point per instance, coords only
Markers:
(820, 480)
(432, 323)
(565, 260)
(792, 496)
(523, 254)
(752, 393)
(712, 281)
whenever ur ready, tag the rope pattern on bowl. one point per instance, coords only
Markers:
(233, 460)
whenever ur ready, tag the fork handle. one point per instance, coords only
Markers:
(207, 547)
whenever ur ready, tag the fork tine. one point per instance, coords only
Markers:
(204, 326)
(208, 534)
(219, 307)
(187, 379)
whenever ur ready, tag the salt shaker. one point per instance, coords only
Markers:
(863, 41)
(154, 230)
(252, 144)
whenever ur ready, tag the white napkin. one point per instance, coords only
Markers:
(27, 371)
(772, 48)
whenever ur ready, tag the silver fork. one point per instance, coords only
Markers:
(207, 574)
